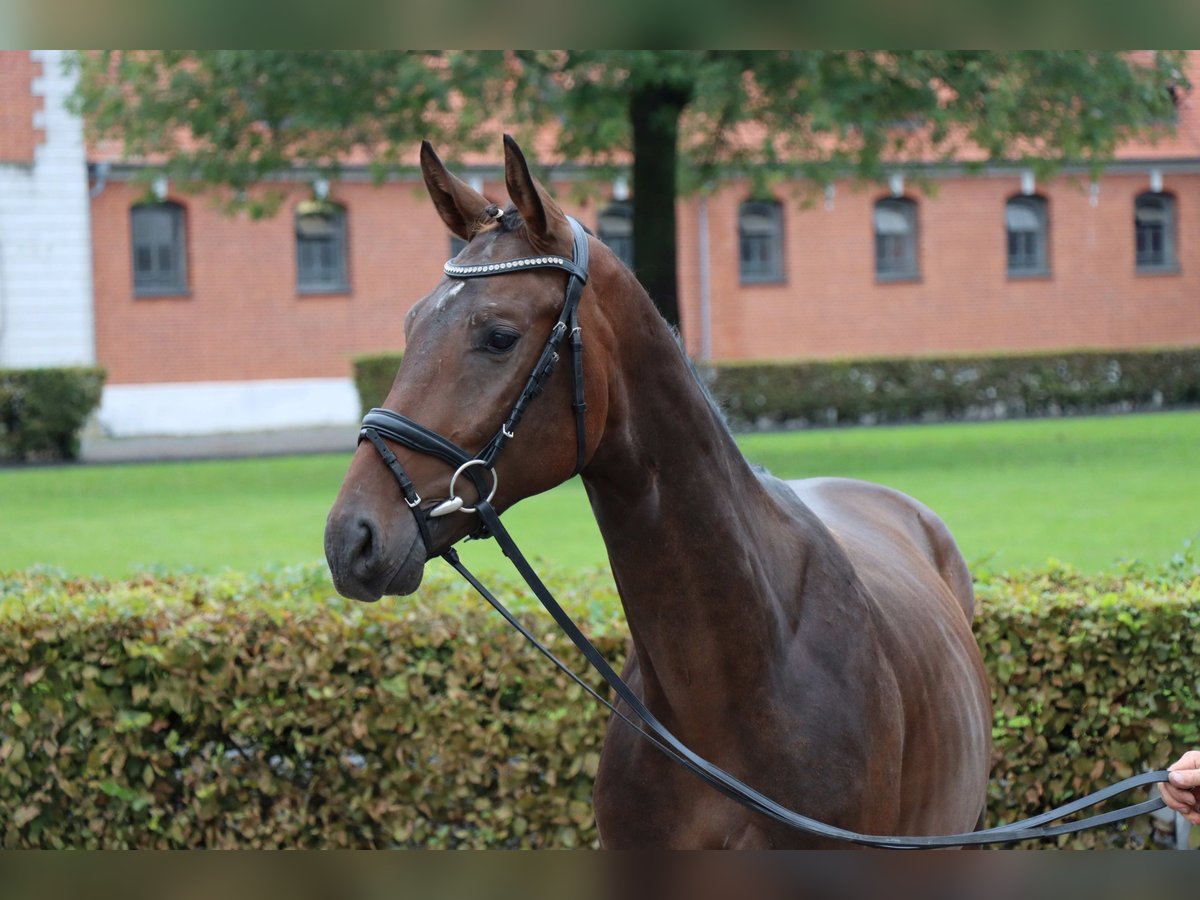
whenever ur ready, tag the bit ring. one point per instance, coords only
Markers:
(468, 464)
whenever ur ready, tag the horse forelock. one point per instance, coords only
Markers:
(508, 220)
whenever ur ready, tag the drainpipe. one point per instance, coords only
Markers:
(3, 305)
(100, 170)
(705, 287)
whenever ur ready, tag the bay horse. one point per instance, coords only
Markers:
(811, 637)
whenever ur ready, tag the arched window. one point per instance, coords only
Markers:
(1025, 224)
(614, 226)
(1154, 232)
(159, 249)
(760, 241)
(320, 247)
(895, 238)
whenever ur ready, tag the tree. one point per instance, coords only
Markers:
(229, 119)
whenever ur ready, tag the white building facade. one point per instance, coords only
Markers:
(46, 309)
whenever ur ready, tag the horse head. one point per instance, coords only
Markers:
(470, 346)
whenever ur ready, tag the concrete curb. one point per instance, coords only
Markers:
(100, 449)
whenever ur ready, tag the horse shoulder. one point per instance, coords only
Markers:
(896, 527)
(910, 567)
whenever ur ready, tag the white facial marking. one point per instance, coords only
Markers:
(445, 292)
(489, 251)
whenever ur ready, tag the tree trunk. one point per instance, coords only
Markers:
(654, 112)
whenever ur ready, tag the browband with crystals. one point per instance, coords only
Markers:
(514, 265)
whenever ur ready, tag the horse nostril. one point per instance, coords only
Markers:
(365, 550)
(355, 551)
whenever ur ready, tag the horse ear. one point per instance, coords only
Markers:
(546, 224)
(460, 205)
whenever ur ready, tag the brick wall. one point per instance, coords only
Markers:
(18, 136)
(243, 318)
(964, 301)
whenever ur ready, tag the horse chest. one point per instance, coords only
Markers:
(642, 799)
(646, 802)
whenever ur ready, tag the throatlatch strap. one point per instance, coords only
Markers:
(579, 403)
(1035, 828)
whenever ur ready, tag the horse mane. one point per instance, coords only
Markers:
(489, 221)
(713, 404)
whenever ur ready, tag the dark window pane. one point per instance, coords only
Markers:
(760, 241)
(895, 223)
(1025, 221)
(1154, 231)
(320, 246)
(159, 260)
(614, 226)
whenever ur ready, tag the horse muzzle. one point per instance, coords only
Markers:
(367, 559)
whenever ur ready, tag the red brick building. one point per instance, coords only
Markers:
(19, 134)
(243, 323)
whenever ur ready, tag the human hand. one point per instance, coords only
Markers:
(1182, 792)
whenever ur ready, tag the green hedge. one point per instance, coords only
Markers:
(263, 711)
(870, 391)
(42, 411)
(877, 391)
(373, 376)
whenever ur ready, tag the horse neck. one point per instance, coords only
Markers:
(702, 557)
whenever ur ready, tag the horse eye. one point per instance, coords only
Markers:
(501, 341)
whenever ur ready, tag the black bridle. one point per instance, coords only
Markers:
(381, 424)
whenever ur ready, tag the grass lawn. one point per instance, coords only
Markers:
(1090, 491)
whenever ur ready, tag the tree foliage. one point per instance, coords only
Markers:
(825, 114)
(231, 118)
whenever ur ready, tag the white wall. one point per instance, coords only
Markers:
(45, 239)
(216, 407)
